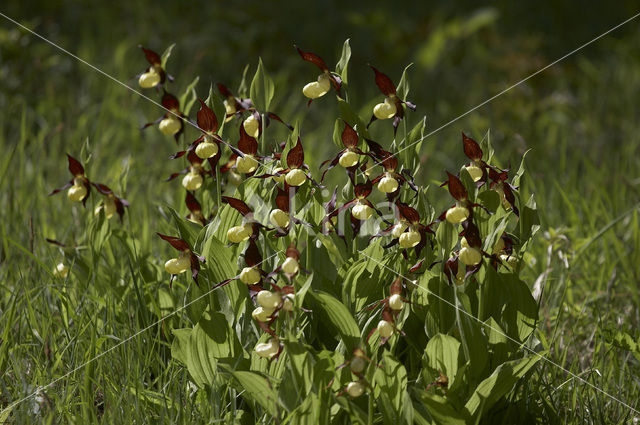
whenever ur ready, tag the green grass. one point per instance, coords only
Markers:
(580, 118)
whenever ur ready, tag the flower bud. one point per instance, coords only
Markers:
(395, 302)
(178, 265)
(61, 271)
(246, 165)
(250, 276)
(387, 184)
(457, 214)
(170, 125)
(149, 79)
(206, 149)
(279, 218)
(296, 177)
(362, 211)
(409, 239)
(385, 110)
(398, 229)
(287, 302)
(252, 126)
(77, 192)
(470, 256)
(357, 364)
(238, 234)
(290, 266)
(348, 159)
(475, 172)
(268, 300)
(355, 389)
(262, 314)
(267, 349)
(192, 181)
(385, 329)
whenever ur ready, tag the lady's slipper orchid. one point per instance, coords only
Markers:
(185, 261)
(355, 389)
(325, 80)
(393, 106)
(111, 204)
(500, 184)
(268, 349)
(154, 75)
(194, 174)
(252, 274)
(234, 106)
(171, 123)
(389, 181)
(262, 314)
(461, 211)
(349, 157)
(249, 227)
(477, 168)
(79, 186)
(269, 300)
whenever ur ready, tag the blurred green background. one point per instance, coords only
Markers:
(580, 118)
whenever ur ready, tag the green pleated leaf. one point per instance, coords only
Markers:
(498, 384)
(391, 378)
(257, 389)
(442, 355)
(339, 317)
(262, 88)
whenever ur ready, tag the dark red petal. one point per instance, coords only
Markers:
(293, 252)
(384, 83)
(313, 58)
(472, 234)
(252, 254)
(362, 190)
(75, 167)
(152, 57)
(349, 136)
(224, 91)
(295, 157)
(456, 188)
(102, 188)
(192, 203)
(282, 199)
(170, 102)
(237, 205)
(408, 213)
(471, 148)
(247, 144)
(177, 243)
(207, 120)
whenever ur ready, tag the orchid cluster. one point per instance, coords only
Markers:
(285, 272)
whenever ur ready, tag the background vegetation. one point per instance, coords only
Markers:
(580, 118)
